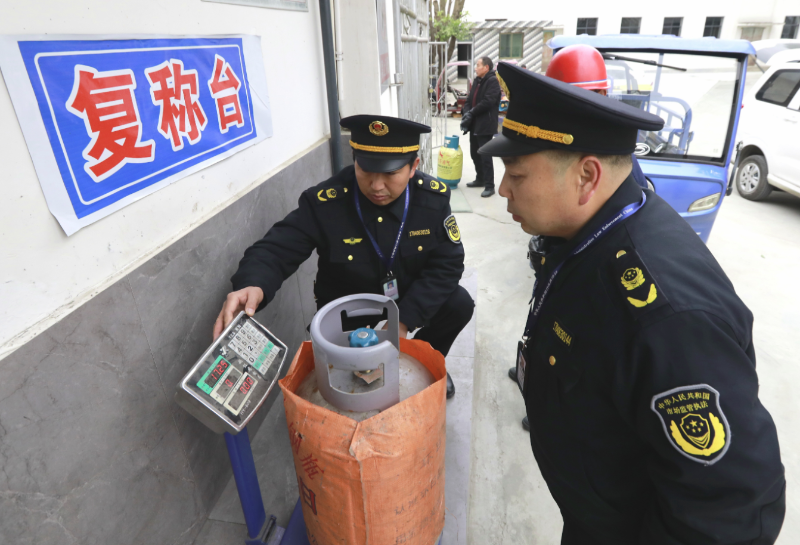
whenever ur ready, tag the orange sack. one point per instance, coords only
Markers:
(376, 482)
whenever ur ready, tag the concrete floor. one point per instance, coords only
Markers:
(757, 245)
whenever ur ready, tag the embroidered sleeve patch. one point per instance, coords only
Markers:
(453, 233)
(693, 422)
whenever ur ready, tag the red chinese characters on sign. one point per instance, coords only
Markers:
(224, 86)
(106, 103)
(176, 91)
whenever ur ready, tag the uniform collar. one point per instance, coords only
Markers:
(372, 211)
(628, 192)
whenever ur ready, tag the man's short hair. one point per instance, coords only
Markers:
(563, 159)
(486, 61)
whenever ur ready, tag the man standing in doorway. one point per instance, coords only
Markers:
(479, 118)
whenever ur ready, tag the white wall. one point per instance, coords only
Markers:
(44, 274)
(610, 13)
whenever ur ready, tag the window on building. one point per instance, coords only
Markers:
(630, 25)
(672, 25)
(780, 88)
(713, 27)
(511, 46)
(790, 26)
(752, 33)
(587, 26)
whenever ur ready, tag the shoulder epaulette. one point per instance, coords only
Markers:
(329, 194)
(432, 184)
(636, 284)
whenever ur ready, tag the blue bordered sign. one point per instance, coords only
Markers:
(121, 118)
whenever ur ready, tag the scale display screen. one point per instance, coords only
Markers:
(232, 379)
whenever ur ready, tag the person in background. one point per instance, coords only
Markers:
(479, 118)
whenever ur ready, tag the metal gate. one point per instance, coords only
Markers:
(411, 24)
(439, 82)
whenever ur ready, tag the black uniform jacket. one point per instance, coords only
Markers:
(641, 390)
(486, 106)
(428, 265)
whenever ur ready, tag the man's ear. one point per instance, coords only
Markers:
(413, 168)
(590, 171)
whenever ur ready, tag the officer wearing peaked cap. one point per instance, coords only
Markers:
(636, 361)
(379, 226)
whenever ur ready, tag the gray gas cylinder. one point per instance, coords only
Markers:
(334, 384)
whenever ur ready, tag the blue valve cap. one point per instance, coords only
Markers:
(363, 337)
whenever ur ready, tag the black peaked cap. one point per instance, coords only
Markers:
(382, 143)
(544, 113)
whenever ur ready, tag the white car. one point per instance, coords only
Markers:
(769, 131)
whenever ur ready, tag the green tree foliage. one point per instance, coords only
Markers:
(446, 27)
(449, 24)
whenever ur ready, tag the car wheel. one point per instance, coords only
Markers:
(751, 180)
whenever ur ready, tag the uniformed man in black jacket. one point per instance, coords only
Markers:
(636, 363)
(379, 226)
(479, 118)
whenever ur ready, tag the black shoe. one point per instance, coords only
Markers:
(488, 192)
(525, 424)
(512, 374)
(451, 388)
(476, 183)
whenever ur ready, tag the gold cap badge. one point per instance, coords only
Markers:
(378, 128)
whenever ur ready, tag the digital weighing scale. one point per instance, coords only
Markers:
(224, 390)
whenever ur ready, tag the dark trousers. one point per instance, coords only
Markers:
(447, 323)
(483, 163)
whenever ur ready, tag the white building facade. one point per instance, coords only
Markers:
(736, 19)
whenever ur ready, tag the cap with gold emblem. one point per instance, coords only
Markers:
(381, 143)
(544, 113)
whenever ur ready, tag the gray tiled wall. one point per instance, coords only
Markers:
(93, 449)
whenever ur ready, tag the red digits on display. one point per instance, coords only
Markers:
(248, 382)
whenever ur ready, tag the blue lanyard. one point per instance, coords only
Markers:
(387, 262)
(624, 214)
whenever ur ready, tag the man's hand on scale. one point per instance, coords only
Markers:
(246, 299)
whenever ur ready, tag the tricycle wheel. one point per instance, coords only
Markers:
(751, 180)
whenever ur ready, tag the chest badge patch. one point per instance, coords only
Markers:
(562, 334)
(453, 232)
(352, 241)
(694, 422)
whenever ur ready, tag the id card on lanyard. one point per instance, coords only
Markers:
(537, 300)
(389, 283)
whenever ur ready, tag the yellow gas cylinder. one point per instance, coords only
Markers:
(451, 162)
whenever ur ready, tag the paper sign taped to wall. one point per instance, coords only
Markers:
(109, 120)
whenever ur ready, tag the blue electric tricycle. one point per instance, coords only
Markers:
(696, 86)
